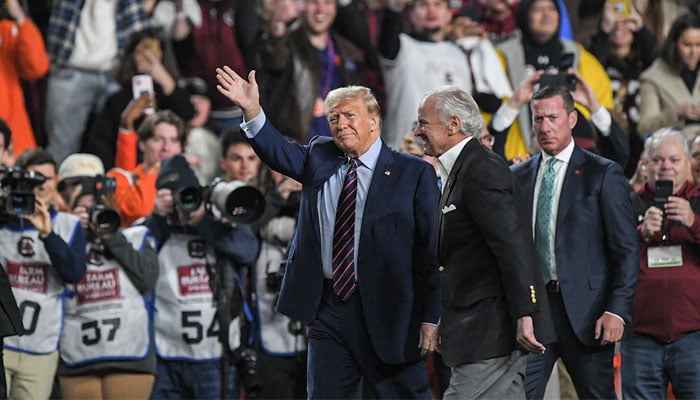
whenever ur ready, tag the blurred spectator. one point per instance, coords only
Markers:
(625, 47)
(498, 19)
(85, 41)
(666, 310)
(695, 159)
(7, 157)
(107, 349)
(239, 161)
(160, 136)
(305, 61)
(40, 252)
(359, 21)
(489, 80)
(641, 174)
(212, 35)
(150, 54)
(670, 91)
(22, 57)
(173, 16)
(659, 14)
(601, 135)
(414, 63)
(541, 48)
(203, 146)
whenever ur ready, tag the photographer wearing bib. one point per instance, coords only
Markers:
(197, 258)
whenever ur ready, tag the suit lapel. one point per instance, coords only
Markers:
(380, 188)
(332, 161)
(571, 187)
(530, 180)
(468, 150)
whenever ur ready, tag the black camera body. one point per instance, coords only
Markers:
(18, 190)
(236, 201)
(102, 218)
(562, 77)
(246, 361)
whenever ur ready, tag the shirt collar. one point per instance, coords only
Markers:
(448, 159)
(369, 158)
(564, 156)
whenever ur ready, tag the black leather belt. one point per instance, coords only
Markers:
(553, 287)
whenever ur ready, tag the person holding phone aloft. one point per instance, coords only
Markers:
(666, 310)
(145, 54)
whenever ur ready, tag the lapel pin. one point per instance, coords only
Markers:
(577, 172)
(387, 173)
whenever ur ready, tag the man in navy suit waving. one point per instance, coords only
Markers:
(586, 248)
(362, 267)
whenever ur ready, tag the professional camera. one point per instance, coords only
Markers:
(246, 361)
(562, 77)
(273, 279)
(102, 218)
(18, 190)
(235, 201)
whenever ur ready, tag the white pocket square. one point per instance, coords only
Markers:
(449, 208)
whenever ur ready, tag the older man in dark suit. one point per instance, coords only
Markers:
(491, 289)
(362, 268)
(586, 245)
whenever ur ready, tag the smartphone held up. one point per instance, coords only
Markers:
(140, 85)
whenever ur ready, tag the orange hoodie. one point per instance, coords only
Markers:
(22, 55)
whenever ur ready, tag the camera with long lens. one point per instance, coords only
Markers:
(102, 218)
(235, 201)
(189, 198)
(18, 190)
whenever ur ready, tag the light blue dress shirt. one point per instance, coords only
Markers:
(330, 192)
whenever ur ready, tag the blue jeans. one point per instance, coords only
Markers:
(71, 95)
(178, 379)
(648, 366)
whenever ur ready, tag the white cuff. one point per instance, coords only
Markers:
(504, 117)
(602, 120)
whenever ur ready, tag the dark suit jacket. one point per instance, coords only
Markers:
(490, 278)
(597, 255)
(10, 318)
(396, 263)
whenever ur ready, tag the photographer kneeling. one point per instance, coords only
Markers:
(195, 250)
(107, 349)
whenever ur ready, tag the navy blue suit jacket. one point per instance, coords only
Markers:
(596, 250)
(396, 264)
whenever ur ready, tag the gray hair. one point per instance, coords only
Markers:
(451, 101)
(339, 95)
(662, 135)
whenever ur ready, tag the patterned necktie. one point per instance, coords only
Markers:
(344, 236)
(543, 220)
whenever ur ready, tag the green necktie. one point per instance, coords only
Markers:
(543, 219)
